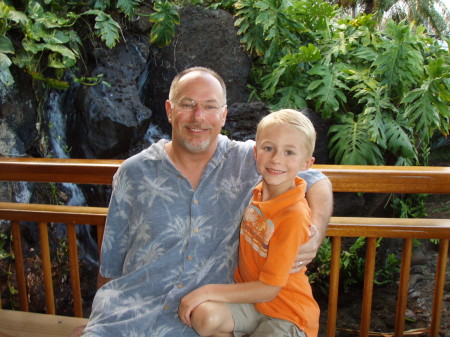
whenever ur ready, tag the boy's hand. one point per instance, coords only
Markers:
(190, 302)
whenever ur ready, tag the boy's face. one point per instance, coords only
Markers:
(280, 154)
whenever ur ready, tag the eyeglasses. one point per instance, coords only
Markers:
(191, 106)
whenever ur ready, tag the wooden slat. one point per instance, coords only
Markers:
(47, 268)
(439, 288)
(53, 213)
(74, 270)
(334, 285)
(389, 227)
(18, 260)
(403, 288)
(368, 286)
(339, 226)
(345, 178)
(82, 171)
(26, 324)
(388, 179)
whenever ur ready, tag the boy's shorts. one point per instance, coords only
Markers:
(248, 320)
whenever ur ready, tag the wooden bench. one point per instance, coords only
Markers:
(27, 324)
(366, 179)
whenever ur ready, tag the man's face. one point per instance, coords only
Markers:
(197, 112)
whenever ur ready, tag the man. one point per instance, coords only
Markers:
(174, 215)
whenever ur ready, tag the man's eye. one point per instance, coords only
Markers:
(212, 107)
(187, 106)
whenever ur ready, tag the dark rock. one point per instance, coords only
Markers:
(205, 38)
(243, 118)
(106, 121)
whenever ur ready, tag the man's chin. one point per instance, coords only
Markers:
(195, 147)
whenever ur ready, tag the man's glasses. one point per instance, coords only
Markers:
(191, 106)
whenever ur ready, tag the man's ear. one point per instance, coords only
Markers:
(309, 163)
(224, 115)
(169, 111)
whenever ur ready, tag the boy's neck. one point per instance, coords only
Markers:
(269, 192)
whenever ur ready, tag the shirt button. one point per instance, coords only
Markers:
(196, 202)
(166, 307)
(196, 230)
(180, 285)
(189, 258)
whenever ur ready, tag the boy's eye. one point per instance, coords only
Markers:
(290, 153)
(267, 148)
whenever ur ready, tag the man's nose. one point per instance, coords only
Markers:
(199, 111)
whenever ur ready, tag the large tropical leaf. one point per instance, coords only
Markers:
(349, 144)
(290, 97)
(427, 107)
(164, 18)
(398, 139)
(5, 74)
(400, 65)
(327, 89)
(128, 6)
(107, 29)
(253, 37)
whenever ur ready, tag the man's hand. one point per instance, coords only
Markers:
(77, 331)
(308, 250)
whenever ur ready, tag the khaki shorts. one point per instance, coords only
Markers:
(248, 320)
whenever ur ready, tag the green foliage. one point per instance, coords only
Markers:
(352, 266)
(412, 206)
(386, 92)
(358, 149)
(44, 37)
(165, 18)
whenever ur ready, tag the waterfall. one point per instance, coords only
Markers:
(57, 120)
(57, 126)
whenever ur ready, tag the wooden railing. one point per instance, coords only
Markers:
(368, 179)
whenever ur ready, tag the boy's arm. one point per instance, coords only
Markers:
(320, 201)
(247, 292)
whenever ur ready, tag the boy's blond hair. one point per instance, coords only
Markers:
(294, 119)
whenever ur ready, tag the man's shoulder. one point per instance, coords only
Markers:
(225, 144)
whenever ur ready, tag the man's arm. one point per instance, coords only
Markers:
(320, 201)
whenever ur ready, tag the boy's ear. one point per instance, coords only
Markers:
(309, 163)
(254, 152)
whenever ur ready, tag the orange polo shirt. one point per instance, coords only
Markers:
(271, 234)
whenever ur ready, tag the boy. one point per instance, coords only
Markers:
(266, 299)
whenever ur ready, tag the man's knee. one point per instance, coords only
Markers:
(205, 320)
